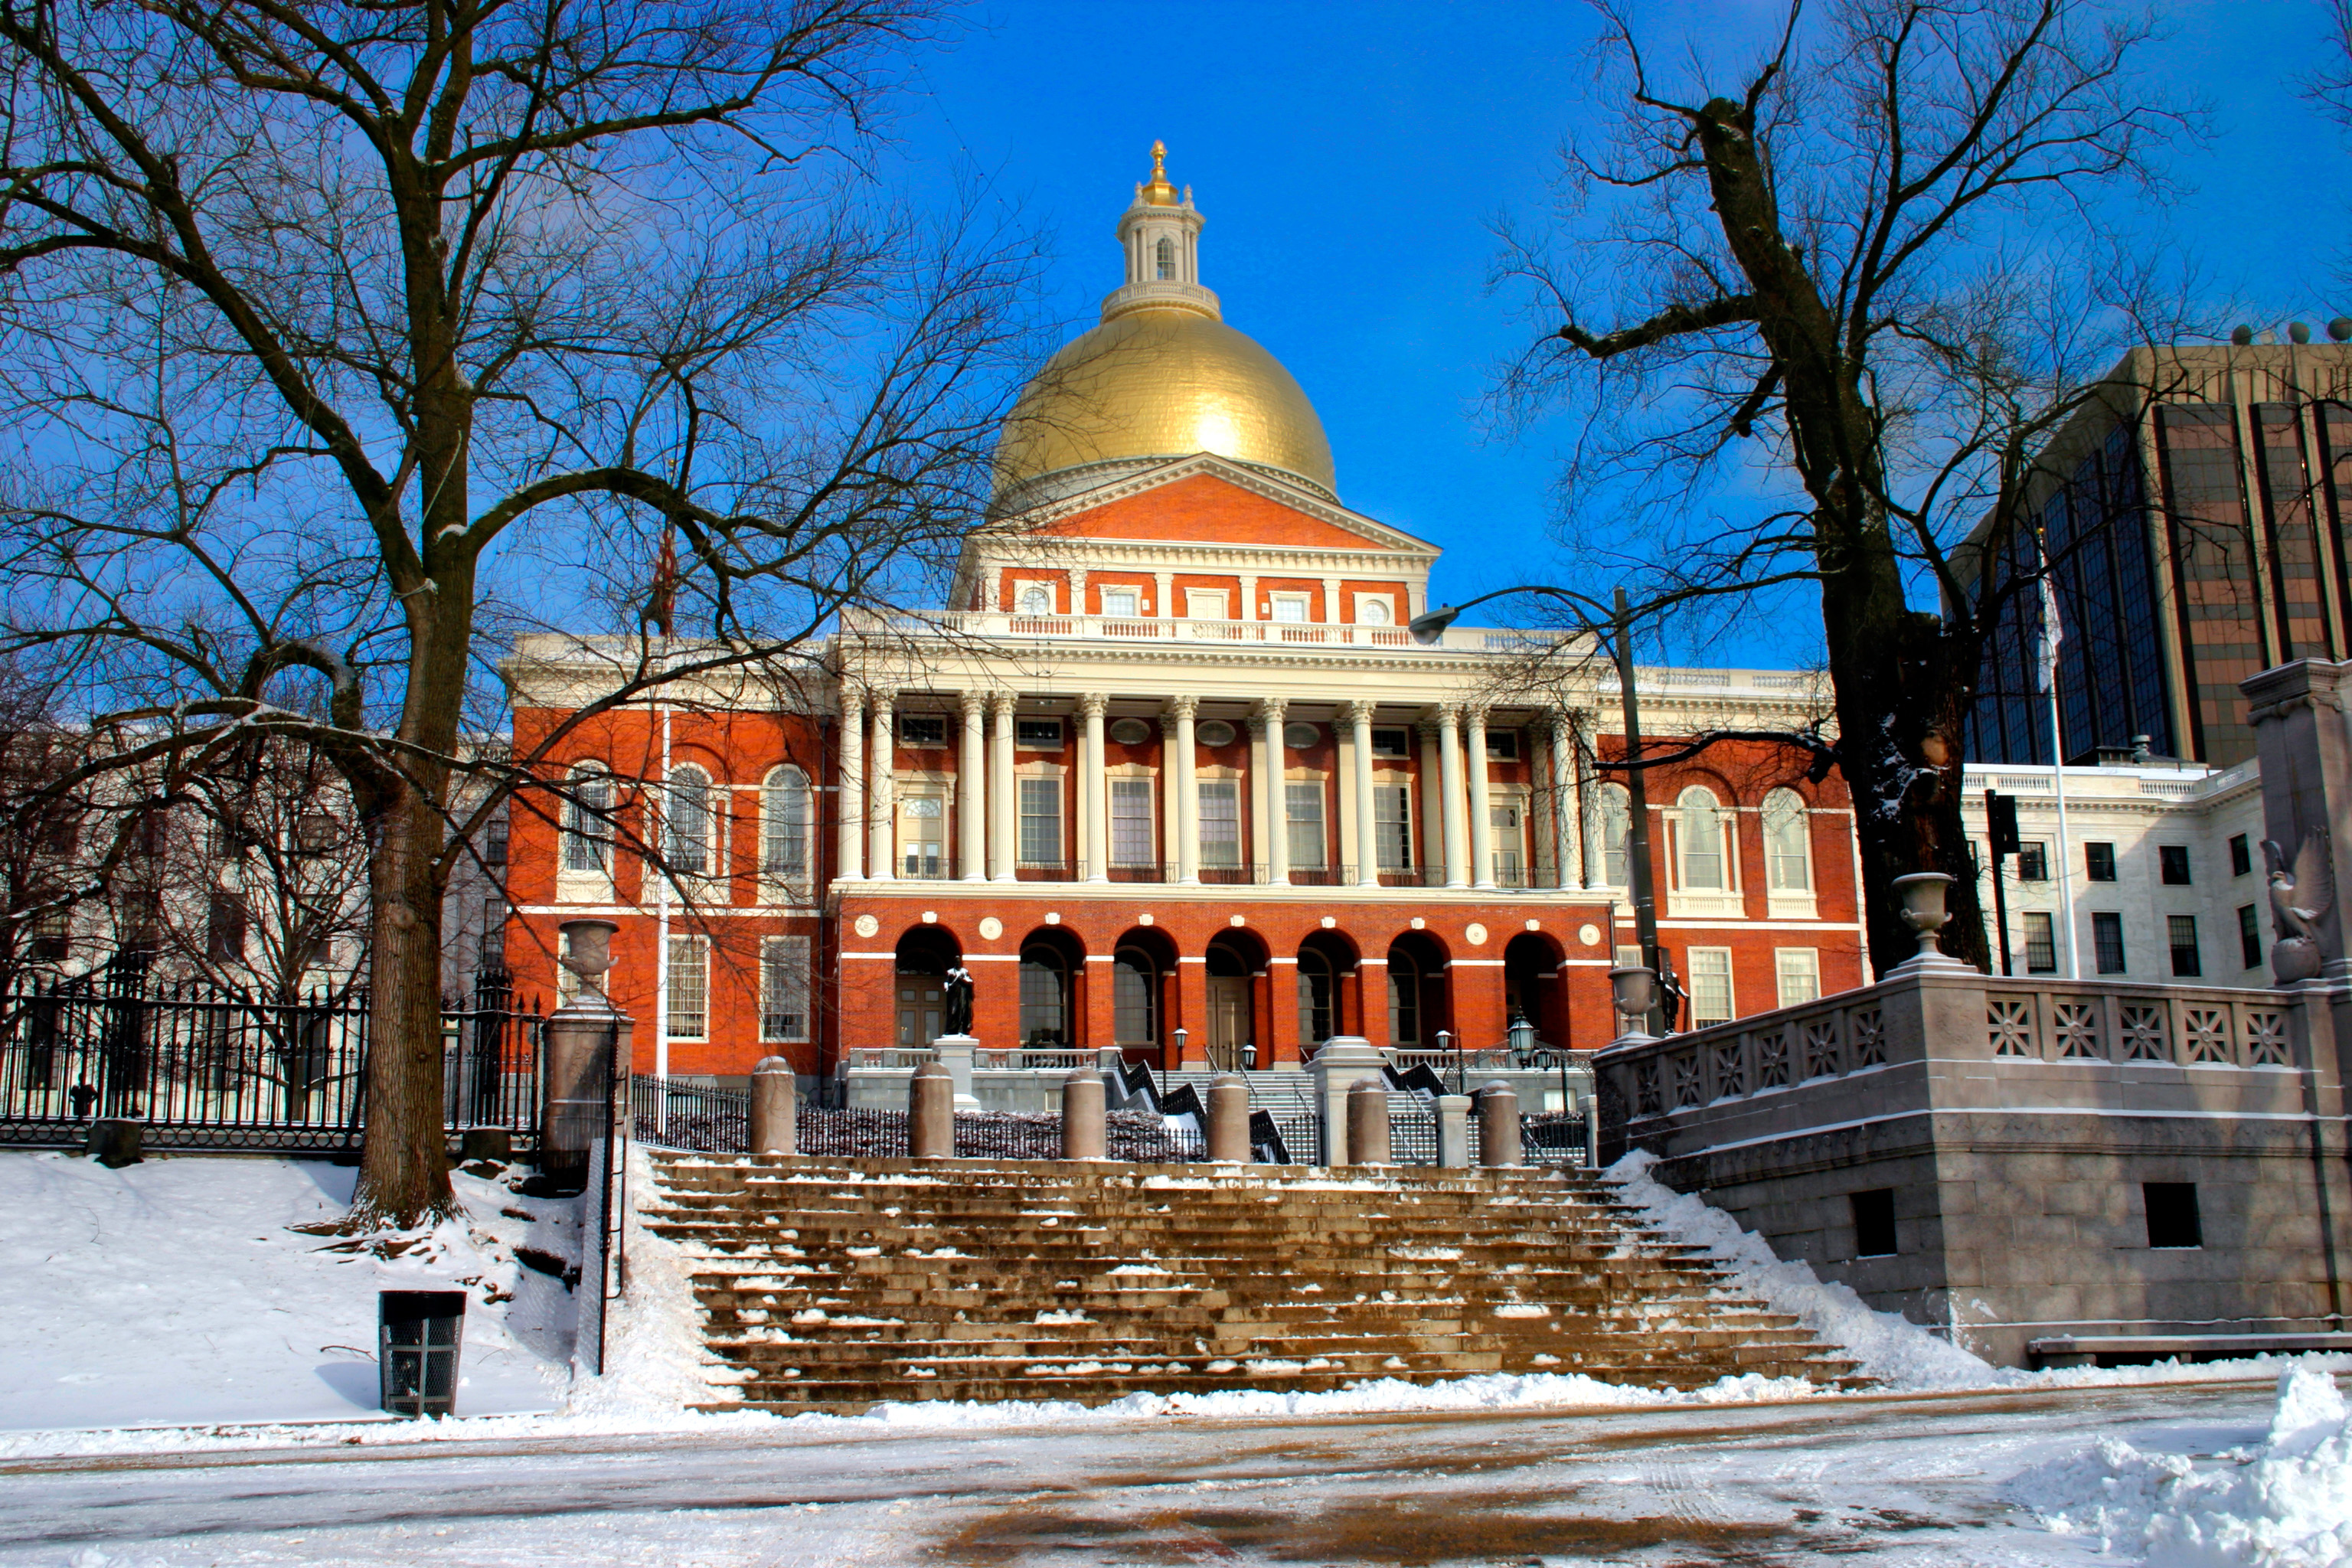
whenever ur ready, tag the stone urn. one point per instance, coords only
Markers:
(588, 953)
(1633, 991)
(1924, 894)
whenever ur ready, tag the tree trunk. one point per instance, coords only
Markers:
(404, 1167)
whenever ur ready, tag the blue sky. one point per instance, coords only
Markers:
(1349, 157)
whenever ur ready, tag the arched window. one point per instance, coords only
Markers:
(1318, 997)
(587, 818)
(1698, 840)
(1787, 843)
(1045, 997)
(1405, 999)
(784, 825)
(1167, 258)
(1616, 832)
(1134, 998)
(686, 833)
(1036, 599)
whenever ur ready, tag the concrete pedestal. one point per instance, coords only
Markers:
(1084, 1136)
(1343, 1059)
(1454, 1148)
(1229, 1115)
(955, 1055)
(776, 1110)
(1498, 1127)
(1368, 1123)
(931, 1113)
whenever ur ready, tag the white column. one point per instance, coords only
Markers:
(881, 752)
(1331, 601)
(1077, 590)
(850, 793)
(1429, 814)
(1185, 795)
(972, 790)
(1368, 839)
(1003, 810)
(1568, 845)
(1449, 784)
(1271, 755)
(1248, 607)
(1163, 595)
(1094, 817)
(1482, 820)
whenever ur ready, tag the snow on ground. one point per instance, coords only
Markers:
(2286, 1502)
(181, 1289)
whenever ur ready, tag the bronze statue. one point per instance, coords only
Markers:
(959, 1001)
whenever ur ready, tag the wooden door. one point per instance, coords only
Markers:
(1229, 1020)
(922, 1008)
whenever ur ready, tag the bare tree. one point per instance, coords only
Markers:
(1861, 289)
(344, 340)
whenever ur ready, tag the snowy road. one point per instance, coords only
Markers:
(1900, 1481)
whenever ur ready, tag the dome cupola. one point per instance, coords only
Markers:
(1162, 377)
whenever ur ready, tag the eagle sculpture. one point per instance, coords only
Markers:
(2300, 900)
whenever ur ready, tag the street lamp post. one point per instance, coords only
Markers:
(1616, 622)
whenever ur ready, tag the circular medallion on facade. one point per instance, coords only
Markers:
(867, 925)
(1129, 732)
(1214, 732)
(1235, 921)
(1590, 935)
(1475, 934)
(991, 928)
(1143, 920)
(1052, 917)
(1330, 922)
(1299, 737)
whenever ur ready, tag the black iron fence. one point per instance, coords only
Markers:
(208, 1069)
(671, 1114)
(674, 1113)
(1553, 1137)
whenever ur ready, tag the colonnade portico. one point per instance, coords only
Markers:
(1453, 841)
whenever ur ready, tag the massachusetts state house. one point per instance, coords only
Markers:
(1169, 774)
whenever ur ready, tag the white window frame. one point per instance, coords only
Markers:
(1509, 846)
(1386, 604)
(932, 789)
(1614, 806)
(1222, 784)
(784, 966)
(1194, 597)
(1787, 902)
(1689, 816)
(685, 1010)
(1695, 972)
(1022, 816)
(1061, 732)
(779, 882)
(713, 869)
(1132, 775)
(1023, 587)
(1299, 780)
(585, 885)
(1384, 784)
(1134, 594)
(1796, 970)
(1302, 606)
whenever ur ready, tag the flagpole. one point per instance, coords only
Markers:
(2051, 637)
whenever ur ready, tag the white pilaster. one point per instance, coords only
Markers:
(882, 809)
(1429, 817)
(1094, 819)
(1450, 796)
(972, 790)
(1368, 843)
(1331, 601)
(1482, 820)
(1271, 755)
(850, 793)
(1567, 851)
(1185, 795)
(1248, 610)
(1003, 810)
(1077, 590)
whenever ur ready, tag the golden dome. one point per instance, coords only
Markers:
(1162, 382)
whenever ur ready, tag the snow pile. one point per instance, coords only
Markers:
(1889, 1347)
(656, 1363)
(195, 1288)
(2283, 1503)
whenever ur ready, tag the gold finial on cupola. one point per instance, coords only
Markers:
(1158, 192)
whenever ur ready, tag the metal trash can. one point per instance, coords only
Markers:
(416, 1336)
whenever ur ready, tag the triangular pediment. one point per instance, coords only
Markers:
(1207, 500)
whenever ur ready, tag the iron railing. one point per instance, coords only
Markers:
(1553, 1138)
(679, 1113)
(202, 1068)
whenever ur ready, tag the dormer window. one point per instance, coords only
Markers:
(1166, 252)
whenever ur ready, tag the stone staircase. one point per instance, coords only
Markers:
(836, 1284)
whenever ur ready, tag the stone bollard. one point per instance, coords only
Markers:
(931, 1113)
(1368, 1123)
(1229, 1119)
(1498, 1126)
(1082, 1134)
(1453, 1130)
(776, 1107)
(1592, 1131)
